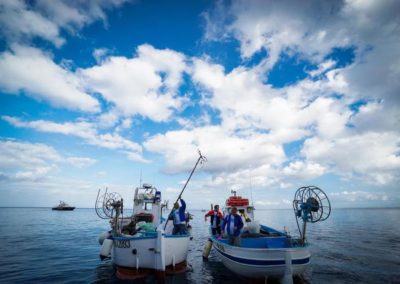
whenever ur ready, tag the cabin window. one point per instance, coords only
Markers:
(148, 206)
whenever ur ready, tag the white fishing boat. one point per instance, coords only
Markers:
(265, 252)
(140, 243)
(143, 242)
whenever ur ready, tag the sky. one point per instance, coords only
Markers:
(276, 94)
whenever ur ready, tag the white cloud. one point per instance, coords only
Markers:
(34, 174)
(22, 161)
(357, 196)
(26, 155)
(372, 155)
(30, 70)
(323, 67)
(18, 21)
(302, 170)
(225, 151)
(86, 131)
(21, 20)
(81, 162)
(244, 102)
(276, 27)
(370, 27)
(144, 85)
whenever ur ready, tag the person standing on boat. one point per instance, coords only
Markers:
(215, 220)
(179, 218)
(233, 224)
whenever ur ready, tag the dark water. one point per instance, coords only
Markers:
(38, 245)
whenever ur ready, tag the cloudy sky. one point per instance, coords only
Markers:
(276, 95)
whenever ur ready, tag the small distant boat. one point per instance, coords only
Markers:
(63, 207)
(203, 210)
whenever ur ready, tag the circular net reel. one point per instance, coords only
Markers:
(312, 205)
(106, 204)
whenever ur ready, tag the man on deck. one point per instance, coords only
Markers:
(179, 218)
(233, 224)
(215, 220)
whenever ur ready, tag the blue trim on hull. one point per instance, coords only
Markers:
(263, 262)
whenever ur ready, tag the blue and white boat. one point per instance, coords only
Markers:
(265, 252)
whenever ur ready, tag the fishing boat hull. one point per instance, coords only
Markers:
(262, 262)
(150, 252)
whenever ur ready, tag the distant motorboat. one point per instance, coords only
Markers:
(63, 207)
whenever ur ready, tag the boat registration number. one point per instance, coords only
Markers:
(122, 244)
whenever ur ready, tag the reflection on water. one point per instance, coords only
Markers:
(44, 246)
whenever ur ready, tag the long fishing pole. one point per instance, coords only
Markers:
(201, 160)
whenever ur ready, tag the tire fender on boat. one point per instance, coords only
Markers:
(103, 236)
(207, 248)
(106, 249)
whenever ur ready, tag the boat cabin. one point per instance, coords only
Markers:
(245, 210)
(147, 205)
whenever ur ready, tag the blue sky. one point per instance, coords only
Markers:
(276, 95)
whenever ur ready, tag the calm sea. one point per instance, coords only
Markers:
(38, 245)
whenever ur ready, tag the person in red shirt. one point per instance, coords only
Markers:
(216, 220)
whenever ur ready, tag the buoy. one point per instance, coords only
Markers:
(106, 249)
(103, 236)
(207, 248)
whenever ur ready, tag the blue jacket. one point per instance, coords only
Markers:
(238, 223)
(181, 212)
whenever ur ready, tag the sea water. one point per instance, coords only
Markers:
(38, 245)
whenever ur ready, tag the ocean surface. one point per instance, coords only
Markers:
(38, 245)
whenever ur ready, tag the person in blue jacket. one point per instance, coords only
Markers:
(233, 224)
(179, 218)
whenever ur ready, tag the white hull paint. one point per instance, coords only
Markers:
(150, 252)
(260, 263)
(143, 240)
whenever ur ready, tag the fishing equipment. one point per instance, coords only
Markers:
(200, 160)
(311, 205)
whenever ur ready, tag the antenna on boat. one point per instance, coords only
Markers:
(202, 159)
(140, 180)
(312, 205)
(251, 191)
